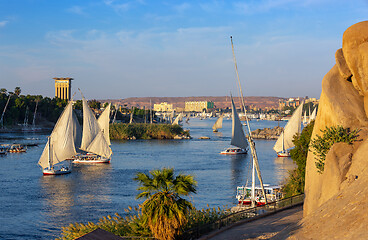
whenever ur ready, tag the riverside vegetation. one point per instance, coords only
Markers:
(295, 182)
(163, 215)
(123, 131)
(319, 146)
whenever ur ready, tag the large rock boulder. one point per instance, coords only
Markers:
(343, 101)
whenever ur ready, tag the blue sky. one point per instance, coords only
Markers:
(119, 49)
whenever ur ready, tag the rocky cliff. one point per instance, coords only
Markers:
(336, 203)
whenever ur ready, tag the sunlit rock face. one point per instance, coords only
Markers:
(343, 101)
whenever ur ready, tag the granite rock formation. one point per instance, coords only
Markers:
(336, 204)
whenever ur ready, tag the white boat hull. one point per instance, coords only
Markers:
(56, 171)
(283, 154)
(234, 151)
(91, 161)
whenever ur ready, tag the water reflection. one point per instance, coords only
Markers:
(283, 166)
(239, 170)
(66, 197)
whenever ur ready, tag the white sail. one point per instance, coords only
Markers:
(177, 119)
(218, 123)
(63, 139)
(292, 127)
(238, 138)
(104, 122)
(305, 118)
(314, 114)
(100, 146)
(90, 126)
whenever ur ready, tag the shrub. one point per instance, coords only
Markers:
(322, 144)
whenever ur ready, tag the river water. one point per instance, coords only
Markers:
(34, 206)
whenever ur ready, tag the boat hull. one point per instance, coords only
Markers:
(234, 151)
(91, 161)
(283, 154)
(56, 171)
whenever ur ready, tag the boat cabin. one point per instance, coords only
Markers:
(273, 193)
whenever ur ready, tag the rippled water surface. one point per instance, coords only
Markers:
(33, 206)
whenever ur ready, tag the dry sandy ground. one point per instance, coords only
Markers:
(276, 226)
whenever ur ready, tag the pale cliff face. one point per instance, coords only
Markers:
(355, 50)
(343, 102)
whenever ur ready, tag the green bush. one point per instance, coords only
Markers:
(295, 182)
(322, 144)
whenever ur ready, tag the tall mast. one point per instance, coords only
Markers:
(51, 166)
(250, 139)
(151, 111)
(34, 115)
(116, 110)
(2, 115)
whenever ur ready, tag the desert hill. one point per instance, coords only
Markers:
(179, 102)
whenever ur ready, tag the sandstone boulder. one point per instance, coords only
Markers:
(342, 102)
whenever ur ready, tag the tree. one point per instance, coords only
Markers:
(3, 91)
(17, 91)
(295, 182)
(164, 211)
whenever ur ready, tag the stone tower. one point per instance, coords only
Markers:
(63, 87)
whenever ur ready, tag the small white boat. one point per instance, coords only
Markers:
(234, 151)
(285, 140)
(218, 124)
(238, 138)
(17, 148)
(95, 139)
(243, 195)
(61, 144)
(58, 170)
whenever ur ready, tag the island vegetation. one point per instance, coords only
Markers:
(123, 131)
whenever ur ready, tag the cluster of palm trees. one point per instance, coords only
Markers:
(164, 211)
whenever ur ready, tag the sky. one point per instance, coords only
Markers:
(118, 49)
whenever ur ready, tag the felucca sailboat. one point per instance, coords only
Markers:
(238, 138)
(95, 138)
(61, 144)
(285, 140)
(218, 124)
(247, 195)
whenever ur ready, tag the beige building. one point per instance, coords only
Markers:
(163, 107)
(198, 106)
(63, 88)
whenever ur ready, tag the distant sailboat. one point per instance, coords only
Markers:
(178, 119)
(238, 138)
(61, 144)
(95, 140)
(218, 124)
(314, 114)
(285, 141)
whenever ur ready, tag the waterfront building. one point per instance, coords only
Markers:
(291, 102)
(163, 107)
(198, 106)
(63, 87)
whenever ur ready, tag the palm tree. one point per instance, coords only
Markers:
(17, 91)
(164, 211)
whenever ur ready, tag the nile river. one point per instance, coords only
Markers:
(34, 206)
